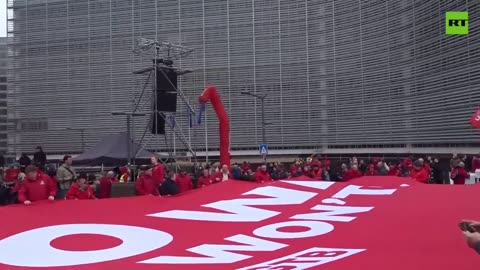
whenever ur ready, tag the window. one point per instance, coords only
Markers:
(33, 125)
(3, 87)
(2, 95)
(3, 79)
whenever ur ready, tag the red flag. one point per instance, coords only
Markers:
(475, 120)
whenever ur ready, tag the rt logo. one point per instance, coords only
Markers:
(456, 23)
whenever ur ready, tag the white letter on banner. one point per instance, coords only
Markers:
(357, 190)
(32, 248)
(216, 254)
(315, 228)
(333, 212)
(239, 210)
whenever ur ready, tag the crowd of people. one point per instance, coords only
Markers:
(33, 182)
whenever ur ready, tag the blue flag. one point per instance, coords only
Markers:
(200, 113)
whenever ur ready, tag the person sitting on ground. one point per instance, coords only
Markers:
(419, 173)
(184, 181)
(204, 180)
(169, 186)
(81, 190)
(36, 187)
(145, 184)
(473, 238)
(262, 175)
(222, 175)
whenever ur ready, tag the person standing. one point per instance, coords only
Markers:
(158, 170)
(184, 181)
(419, 173)
(146, 185)
(36, 187)
(204, 180)
(39, 158)
(81, 190)
(65, 176)
(459, 174)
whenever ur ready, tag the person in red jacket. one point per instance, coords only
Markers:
(106, 185)
(371, 170)
(316, 172)
(81, 190)
(307, 172)
(124, 174)
(222, 175)
(36, 187)
(184, 181)
(419, 173)
(158, 170)
(459, 174)
(146, 185)
(204, 180)
(425, 165)
(262, 175)
(352, 173)
(393, 170)
(11, 174)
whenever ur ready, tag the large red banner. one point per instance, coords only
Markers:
(371, 223)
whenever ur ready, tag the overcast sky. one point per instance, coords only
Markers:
(3, 18)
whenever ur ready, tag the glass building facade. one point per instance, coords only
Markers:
(338, 74)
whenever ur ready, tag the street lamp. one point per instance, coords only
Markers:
(82, 134)
(129, 147)
(261, 97)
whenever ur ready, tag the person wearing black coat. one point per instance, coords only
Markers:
(39, 158)
(169, 186)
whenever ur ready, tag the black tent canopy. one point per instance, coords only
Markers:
(112, 150)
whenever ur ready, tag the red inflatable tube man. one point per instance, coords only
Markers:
(210, 94)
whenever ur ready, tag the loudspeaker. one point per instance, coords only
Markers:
(157, 124)
(166, 90)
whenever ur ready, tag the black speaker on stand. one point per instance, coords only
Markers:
(166, 97)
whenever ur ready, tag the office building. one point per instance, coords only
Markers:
(341, 76)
